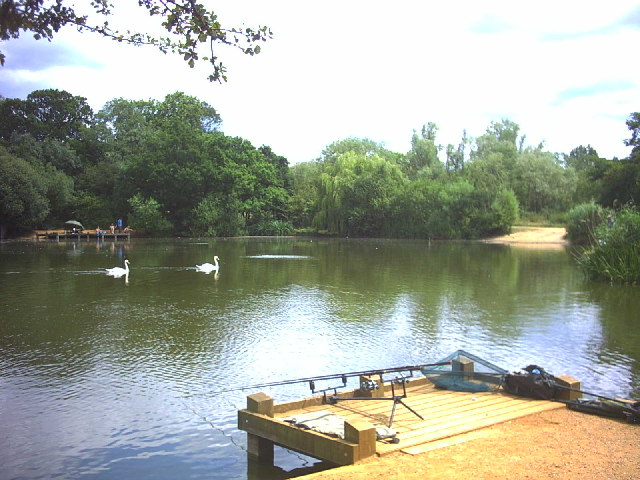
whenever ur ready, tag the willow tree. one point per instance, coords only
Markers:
(356, 194)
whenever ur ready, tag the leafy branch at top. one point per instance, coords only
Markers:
(188, 23)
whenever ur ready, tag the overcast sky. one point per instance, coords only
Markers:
(567, 72)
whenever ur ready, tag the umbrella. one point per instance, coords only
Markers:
(74, 223)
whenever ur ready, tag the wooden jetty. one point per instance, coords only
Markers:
(83, 236)
(426, 416)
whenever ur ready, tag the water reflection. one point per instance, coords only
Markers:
(115, 378)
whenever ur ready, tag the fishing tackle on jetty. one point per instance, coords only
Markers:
(463, 372)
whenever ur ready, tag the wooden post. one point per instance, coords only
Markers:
(258, 447)
(567, 382)
(464, 365)
(364, 435)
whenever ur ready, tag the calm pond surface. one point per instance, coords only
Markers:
(113, 378)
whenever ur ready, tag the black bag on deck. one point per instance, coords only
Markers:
(535, 383)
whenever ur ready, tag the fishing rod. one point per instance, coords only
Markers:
(622, 401)
(341, 376)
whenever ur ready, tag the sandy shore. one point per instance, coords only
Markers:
(540, 237)
(559, 444)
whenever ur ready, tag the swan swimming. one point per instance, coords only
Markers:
(207, 267)
(119, 271)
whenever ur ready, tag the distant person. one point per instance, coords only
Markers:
(112, 227)
(120, 225)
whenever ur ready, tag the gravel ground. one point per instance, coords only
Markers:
(559, 443)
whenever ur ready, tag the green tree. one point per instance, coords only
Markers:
(620, 179)
(356, 193)
(588, 166)
(23, 194)
(217, 216)
(305, 193)
(46, 151)
(633, 123)
(188, 25)
(412, 207)
(540, 183)
(52, 114)
(582, 158)
(456, 155)
(501, 139)
(423, 159)
(146, 215)
(362, 146)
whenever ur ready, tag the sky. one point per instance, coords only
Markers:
(565, 72)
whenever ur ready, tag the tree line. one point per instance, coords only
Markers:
(168, 168)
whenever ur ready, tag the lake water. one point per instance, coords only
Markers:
(112, 378)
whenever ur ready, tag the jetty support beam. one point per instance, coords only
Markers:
(258, 447)
(569, 388)
(264, 431)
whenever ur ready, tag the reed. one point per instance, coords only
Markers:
(615, 254)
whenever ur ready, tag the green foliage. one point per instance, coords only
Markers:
(540, 182)
(166, 163)
(355, 194)
(582, 222)
(633, 124)
(361, 146)
(91, 210)
(273, 228)
(501, 139)
(615, 255)
(45, 152)
(188, 25)
(505, 209)
(46, 114)
(582, 158)
(218, 217)
(23, 194)
(423, 159)
(461, 212)
(305, 193)
(146, 215)
(411, 208)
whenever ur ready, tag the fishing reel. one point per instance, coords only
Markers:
(333, 398)
(369, 385)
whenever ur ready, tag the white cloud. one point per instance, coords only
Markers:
(563, 71)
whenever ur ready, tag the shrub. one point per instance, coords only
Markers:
(615, 255)
(146, 215)
(582, 222)
(505, 209)
(217, 217)
(273, 228)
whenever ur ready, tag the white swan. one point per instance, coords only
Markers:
(119, 271)
(207, 267)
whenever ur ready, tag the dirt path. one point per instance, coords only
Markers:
(559, 444)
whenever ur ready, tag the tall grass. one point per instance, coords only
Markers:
(582, 222)
(615, 253)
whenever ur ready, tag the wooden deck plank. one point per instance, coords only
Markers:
(427, 435)
(448, 417)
